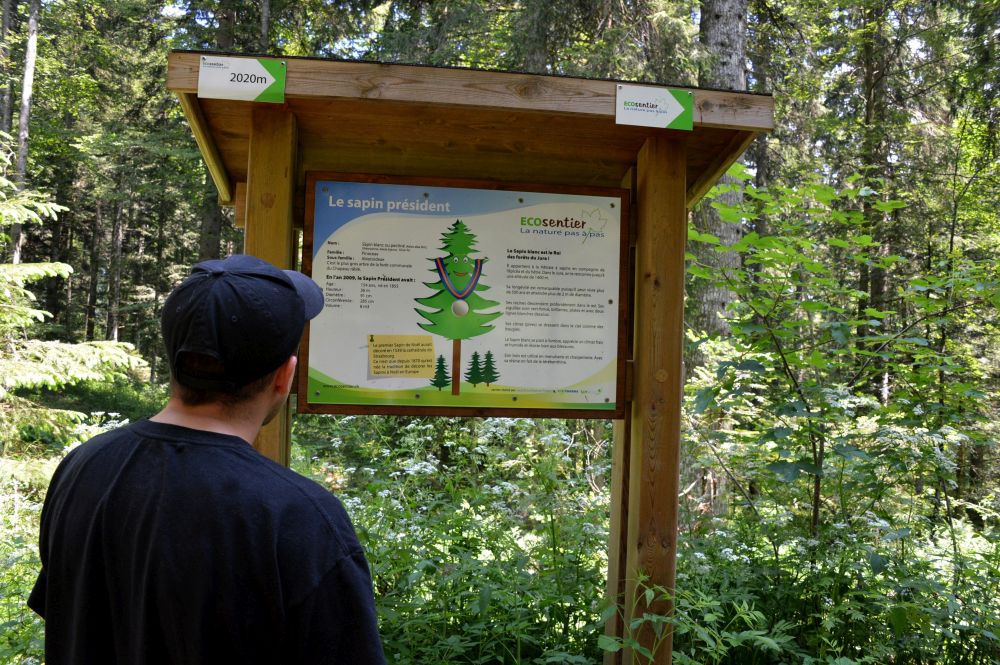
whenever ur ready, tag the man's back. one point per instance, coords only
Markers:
(163, 544)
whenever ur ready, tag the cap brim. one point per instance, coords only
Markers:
(309, 291)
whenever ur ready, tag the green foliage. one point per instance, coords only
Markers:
(19, 205)
(848, 423)
(841, 430)
(23, 480)
(486, 537)
(17, 307)
(33, 364)
(22, 635)
(706, 629)
(27, 362)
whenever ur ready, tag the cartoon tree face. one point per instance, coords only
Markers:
(457, 304)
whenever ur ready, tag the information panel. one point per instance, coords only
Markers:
(464, 298)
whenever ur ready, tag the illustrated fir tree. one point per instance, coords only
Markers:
(489, 372)
(455, 309)
(475, 373)
(441, 378)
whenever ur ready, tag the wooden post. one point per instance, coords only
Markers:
(618, 533)
(270, 190)
(656, 407)
(620, 458)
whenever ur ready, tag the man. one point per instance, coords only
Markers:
(172, 540)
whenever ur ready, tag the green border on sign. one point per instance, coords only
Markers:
(274, 93)
(685, 120)
(323, 389)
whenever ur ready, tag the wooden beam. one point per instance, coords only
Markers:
(719, 165)
(319, 78)
(206, 144)
(656, 409)
(240, 201)
(270, 188)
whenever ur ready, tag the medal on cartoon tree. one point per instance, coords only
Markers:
(457, 306)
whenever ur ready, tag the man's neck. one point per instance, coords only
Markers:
(211, 418)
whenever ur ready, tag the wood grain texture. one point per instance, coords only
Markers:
(618, 532)
(656, 410)
(379, 138)
(270, 188)
(384, 135)
(724, 158)
(240, 203)
(618, 543)
(204, 137)
(313, 77)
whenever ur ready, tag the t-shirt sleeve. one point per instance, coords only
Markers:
(336, 623)
(36, 600)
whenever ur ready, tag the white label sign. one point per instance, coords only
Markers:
(647, 106)
(246, 79)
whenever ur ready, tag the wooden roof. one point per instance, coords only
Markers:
(362, 117)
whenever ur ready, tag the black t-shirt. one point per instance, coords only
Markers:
(163, 544)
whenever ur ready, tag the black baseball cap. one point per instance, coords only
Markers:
(241, 311)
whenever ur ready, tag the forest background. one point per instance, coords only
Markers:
(840, 466)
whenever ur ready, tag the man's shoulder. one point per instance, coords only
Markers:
(298, 497)
(98, 445)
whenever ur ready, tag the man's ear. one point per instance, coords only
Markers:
(285, 375)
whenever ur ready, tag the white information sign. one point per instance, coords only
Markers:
(454, 297)
(246, 79)
(648, 106)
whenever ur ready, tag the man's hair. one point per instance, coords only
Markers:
(197, 364)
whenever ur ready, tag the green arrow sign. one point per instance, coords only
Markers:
(247, 79)
(649, 106)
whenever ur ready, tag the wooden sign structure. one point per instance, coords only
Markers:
(411, 121)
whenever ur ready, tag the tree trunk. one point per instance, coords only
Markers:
(875, 155)
(54, 303)
(723, 33)
(456, 366)
(7, 98)
(535, 25)
(226, 18)
(115, 272)
(211, 223)
(21, 167)
(95, 258)
(265, 26)
(70, 284)
(160, 237)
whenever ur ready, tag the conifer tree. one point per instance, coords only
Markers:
(489, 372)
(441, 378)
(474, 375)
(456, 305)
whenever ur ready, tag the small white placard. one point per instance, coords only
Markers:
(246, 79)
(648, 106)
